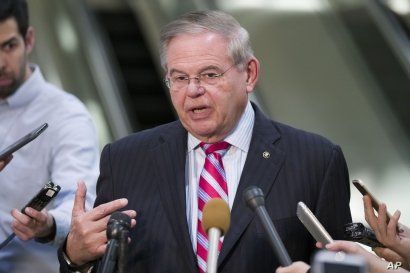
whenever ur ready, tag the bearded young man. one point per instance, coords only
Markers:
(65, 153)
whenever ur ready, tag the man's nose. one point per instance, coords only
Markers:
(194, 88)
(2, 61)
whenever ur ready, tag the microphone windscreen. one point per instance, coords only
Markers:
(253, 197)
(120, 217)
(118, 221)
(216, 214)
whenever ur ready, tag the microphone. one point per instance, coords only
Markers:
(254, 199)
(118, 228)
(216, 218)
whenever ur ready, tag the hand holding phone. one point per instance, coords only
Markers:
(375, 202)
(22, 141)
(364, 191)
(43, 197)
(38, 202)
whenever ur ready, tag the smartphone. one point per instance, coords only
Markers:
(338, 262)
(43, 197)
(22, 141)
(312, 224)
(364, 191)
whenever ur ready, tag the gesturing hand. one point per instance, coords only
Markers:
(87, 238)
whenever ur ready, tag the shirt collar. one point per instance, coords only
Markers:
(241, 135)
(28, 90)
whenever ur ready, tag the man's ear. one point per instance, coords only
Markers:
(252, 69)
(29, 40)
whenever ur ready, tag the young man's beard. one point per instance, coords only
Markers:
(6, 91)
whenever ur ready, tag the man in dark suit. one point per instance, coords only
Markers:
(163, 172)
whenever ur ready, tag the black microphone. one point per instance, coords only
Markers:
(118, 228)
(254, 199)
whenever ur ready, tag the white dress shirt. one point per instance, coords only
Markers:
(66, 152)
(233, 161)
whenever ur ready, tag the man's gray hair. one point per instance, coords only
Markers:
(239, 47)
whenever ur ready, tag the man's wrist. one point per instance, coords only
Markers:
(72, 267)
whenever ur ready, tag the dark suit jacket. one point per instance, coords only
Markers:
(148, 168)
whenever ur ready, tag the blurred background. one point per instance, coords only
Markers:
(339, 68)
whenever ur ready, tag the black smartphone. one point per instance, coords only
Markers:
(22, 141)
(43, 197)
(365, 191)
(357, 232)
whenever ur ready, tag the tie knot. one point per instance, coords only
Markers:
(218, 147)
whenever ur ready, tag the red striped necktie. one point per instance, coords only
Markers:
(212, 184)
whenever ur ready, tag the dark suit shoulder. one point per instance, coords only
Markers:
(149, 138)
(294, 136)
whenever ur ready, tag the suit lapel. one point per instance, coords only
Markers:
(262, 165)
(169, 158)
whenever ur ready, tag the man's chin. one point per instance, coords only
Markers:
(6, 92)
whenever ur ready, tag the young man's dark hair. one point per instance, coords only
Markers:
(17, 9)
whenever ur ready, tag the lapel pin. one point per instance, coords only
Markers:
(266, 154)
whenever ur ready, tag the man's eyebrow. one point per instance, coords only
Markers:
(12, 39)
(209, 67)
(176, 71)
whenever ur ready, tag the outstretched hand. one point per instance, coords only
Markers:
(87, 240)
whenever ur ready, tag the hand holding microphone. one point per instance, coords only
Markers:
(216, 218)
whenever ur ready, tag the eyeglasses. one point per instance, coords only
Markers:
(182, 81)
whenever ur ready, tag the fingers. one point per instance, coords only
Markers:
(106, 209)
(5, 161)
(22, 225)
(130, 213)
(20, 217)
(36, 215)
(393, 224)
(296, 267)
(79, 200)
(23, 235)
(345, 246)
(381, 219)
(369, 214)
(32, 224)
(387, 254)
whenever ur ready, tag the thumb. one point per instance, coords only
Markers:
(79, 200)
